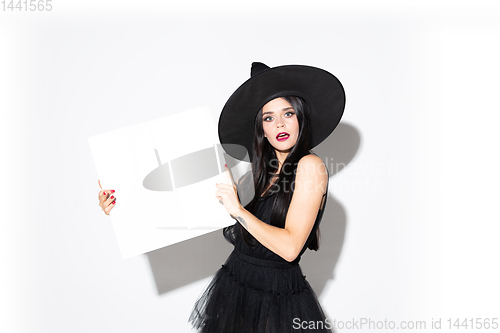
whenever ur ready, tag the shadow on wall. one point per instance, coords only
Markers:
(337, 151)
(180, 264)
(198, 258)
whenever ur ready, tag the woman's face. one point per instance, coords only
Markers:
(279, 117)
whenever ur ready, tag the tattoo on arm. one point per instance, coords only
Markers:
(241, 220)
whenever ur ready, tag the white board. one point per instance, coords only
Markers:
(164, 173)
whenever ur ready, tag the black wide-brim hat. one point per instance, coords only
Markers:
(321, 90)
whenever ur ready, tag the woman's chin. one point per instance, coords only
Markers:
(283, 147)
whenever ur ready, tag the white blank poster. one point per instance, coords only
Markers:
(164, 173)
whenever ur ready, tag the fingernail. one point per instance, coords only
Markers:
(112, 197)
(113, 202)
(104, 193)
(225, 165)
(112, 191)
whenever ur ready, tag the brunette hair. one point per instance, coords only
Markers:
(265, 165)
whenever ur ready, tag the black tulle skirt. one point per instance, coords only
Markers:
(249, 295)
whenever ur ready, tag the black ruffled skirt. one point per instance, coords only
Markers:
(250, 295)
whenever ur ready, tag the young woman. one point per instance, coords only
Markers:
(277, 116)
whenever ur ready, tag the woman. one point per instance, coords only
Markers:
(277, 116)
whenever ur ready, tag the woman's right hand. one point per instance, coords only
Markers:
(106, 199)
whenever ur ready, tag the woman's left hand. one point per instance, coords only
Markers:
(228, 195)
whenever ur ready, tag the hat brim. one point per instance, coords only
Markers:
(321, 90)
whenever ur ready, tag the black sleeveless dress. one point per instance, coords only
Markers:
(256, 290)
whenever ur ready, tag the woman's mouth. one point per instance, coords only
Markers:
(282, 136)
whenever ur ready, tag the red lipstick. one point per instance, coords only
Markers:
(282, 136)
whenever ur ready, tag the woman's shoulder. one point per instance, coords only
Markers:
(312, 160)
(312, 166)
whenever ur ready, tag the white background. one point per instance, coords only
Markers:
(411, 227)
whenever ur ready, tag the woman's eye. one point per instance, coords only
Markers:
(289, 112)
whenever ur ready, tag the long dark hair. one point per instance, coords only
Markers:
(265, 167)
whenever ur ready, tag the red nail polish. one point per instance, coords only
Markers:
(113, 202)
(112, 197)
(104, 193)
(112, 191)
(225, 165)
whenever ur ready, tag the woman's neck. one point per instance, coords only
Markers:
(281, 158)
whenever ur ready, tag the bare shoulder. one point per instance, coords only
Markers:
(311, 168)
(312, 165)
(311, 158)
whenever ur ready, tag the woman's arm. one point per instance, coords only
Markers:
(310, 185)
